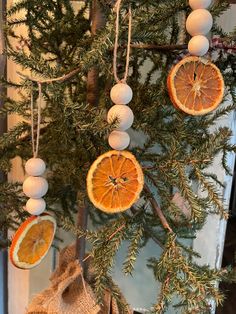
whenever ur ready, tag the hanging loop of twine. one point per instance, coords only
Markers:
(35, 143)
(117, 26)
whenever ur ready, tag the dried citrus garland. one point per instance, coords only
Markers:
(115, 180)
(34, 237)
(196, 85)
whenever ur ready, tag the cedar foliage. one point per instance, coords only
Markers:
(178, 149)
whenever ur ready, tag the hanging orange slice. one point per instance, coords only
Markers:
(115, 181)
(32, 241)
(195, 85)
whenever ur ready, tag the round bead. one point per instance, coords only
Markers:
(123, 114)
(199, 4)
(121, 94)
(198, 45)
(35, 167)
(199, 22)
(35, 206)
(119, 140)
(35, 187)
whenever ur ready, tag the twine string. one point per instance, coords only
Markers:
(128, 45)
(116, 44)
(35, 143)
(32, 121)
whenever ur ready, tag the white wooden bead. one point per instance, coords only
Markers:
(199, 4)
(199, 22)
(123, 114)
(198, 45)
(35, 187)
(35, 206)
(35, 167)
(121, 94)
(119, 140)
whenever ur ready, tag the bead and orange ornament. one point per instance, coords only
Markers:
(195, 84)
(115, 180)
(34, 237)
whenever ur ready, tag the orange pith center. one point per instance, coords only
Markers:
(115, 181)
(36, 242)
(197, 85)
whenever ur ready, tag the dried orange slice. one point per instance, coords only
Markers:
(32, 241)
(195, 85)
(115, 181)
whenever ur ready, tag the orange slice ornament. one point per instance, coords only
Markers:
(32, 241)
(195, 86)
(115, 181)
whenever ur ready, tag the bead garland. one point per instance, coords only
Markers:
(35, 186)
(121, 94)
(198, 25)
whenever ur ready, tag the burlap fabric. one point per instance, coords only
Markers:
(69, 293)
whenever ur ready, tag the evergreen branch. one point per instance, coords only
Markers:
(190, 283)
(59, 79)
(135, 243)
(103, 253)
(157, 209)
(68, 225)
(187, 192)
(225, 160)
(69, 75)
(121, 227)
(150, 232)
(212, 193)
(159, 47)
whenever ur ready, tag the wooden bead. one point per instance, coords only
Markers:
(121, 94)
(119, 140)
(199, 4)
(198, 45)
(199, 22)
(35, 167)
(35, 206)
(35, 187)
(123, 114)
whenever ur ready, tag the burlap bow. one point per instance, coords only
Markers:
(69, 293)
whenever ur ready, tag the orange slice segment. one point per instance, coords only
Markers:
(115, 181)
(195, 85)
(32, 241)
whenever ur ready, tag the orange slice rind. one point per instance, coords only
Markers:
(32, 241)
(195, 86)
(115, 181)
